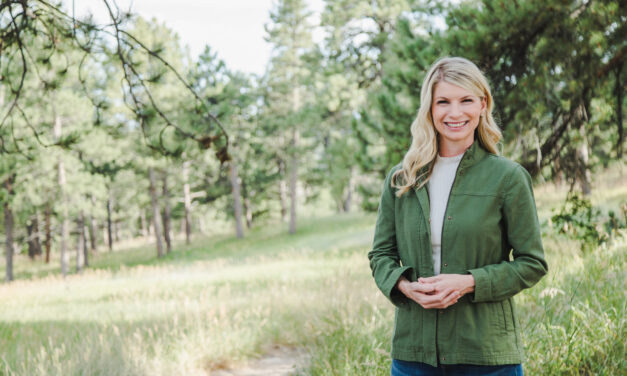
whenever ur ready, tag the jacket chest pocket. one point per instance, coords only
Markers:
(473, 223)
(474, 214)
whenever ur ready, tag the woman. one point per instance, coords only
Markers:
(457, 235)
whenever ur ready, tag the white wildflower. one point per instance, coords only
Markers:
(551, 292)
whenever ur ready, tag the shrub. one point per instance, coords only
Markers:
(579, 220)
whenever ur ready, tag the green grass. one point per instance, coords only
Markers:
(196, 310)
(221, 302)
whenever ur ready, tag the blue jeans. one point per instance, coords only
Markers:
(404, 368)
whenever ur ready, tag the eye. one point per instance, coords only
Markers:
(468, 100)
(442, 101)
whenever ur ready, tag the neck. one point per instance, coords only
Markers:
(448, 149)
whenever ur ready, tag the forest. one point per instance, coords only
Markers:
(120, 148)
(112, 132)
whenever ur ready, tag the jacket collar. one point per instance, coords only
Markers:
(472, 155)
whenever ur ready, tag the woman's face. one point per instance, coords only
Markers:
(456, 112)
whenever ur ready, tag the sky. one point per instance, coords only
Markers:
(232, 28)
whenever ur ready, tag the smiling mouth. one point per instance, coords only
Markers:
(457, 124)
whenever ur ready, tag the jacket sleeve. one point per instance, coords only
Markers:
(501, 281)
(384, 257)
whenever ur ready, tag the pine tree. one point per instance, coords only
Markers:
(290, 35)
(552, 67)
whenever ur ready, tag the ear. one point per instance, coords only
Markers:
(484, 105)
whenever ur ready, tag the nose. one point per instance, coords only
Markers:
(454, 110)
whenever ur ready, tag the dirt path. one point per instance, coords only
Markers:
(281, 361)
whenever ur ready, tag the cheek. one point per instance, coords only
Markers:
(476, 111)
(436, 114)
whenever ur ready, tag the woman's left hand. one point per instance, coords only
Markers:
(460, 283)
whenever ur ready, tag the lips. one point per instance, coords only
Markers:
(457, 124)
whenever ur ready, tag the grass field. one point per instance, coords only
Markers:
(221, 302)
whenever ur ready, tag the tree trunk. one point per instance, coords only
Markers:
(155, 211)
(65, 226)
(619, 113)
(83, 235)
(187, 200)
(57, 132)
(38, 250)
(248, 210)
(282, 190)
(63, 244)
(166, 214)
(558, 174)
(109, 220)
(80, 242)
(538, 154)
(294, 152)
(30, 232)
(48, 241)
(349, 194)
(583, 171)
(237, 199)
(293, 180)
(8, 228)
(93, 245)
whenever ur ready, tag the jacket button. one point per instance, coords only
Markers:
(449, 217)
(429, 220)
(445, 264)
(443, 358)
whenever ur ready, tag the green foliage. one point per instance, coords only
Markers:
(554, 68)
(575, 320)
(578, 219)
(356, 64)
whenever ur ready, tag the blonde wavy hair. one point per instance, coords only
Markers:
(424, 147)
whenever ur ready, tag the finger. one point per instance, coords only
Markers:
(429, 279)
(419, 297)
(442, 300)
(423, 288)
(431, 301)
(451, 299)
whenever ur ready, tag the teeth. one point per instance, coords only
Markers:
(456, 125)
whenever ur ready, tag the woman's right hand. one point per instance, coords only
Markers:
(426, 295)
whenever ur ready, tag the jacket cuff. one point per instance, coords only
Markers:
(483, 287)
(396, 297)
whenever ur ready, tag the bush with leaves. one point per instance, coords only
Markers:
(578, 219)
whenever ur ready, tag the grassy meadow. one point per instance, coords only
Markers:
(221, 302)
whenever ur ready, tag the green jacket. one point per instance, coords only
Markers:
(490, 214)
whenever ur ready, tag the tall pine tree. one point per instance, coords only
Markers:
(287, 93)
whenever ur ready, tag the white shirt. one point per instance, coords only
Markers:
(440, 185)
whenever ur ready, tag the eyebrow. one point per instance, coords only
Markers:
(464, 97)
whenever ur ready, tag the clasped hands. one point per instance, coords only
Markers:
(439, 292)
